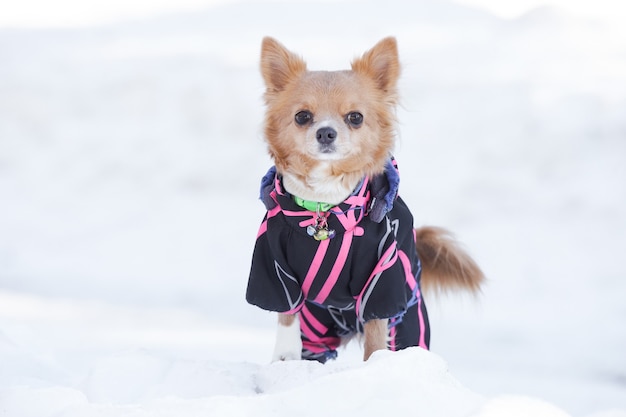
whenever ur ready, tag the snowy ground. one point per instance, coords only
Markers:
(129, 161)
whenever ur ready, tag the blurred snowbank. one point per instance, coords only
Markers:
(142, 384)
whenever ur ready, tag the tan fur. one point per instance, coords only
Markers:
(370, 88)
(286, 319)
(375, 334)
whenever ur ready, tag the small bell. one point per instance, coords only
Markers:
(320, 230)
(322, 234)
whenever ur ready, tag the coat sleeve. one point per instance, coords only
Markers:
(272, 285)
(383, 294)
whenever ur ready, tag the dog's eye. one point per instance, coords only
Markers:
(354, 119)
(303, 117)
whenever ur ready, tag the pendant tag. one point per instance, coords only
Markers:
(320, 231)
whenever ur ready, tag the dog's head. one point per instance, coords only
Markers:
(344, 119)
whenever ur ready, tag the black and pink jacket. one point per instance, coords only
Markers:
(368, 270)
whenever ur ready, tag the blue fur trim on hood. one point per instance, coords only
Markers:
(267, 185)
(384, 190)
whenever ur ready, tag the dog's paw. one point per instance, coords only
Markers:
(288, 342)
(287, 348)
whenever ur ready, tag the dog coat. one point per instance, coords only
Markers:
(369, 269)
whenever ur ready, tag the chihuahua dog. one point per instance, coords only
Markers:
(337, 254)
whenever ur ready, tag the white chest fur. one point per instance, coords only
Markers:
(320, 185)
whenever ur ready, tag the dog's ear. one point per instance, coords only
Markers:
(381, 64)
(278, 65)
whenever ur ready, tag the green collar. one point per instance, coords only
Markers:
(313, 206)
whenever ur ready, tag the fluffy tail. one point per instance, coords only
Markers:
(445, 265)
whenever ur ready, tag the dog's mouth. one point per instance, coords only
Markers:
(327, 148)
(327, 152)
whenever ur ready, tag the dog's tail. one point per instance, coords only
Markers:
(445, 264)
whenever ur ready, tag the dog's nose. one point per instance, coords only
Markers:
(326, 135)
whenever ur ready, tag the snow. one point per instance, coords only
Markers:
(130, 156)
(141, 384)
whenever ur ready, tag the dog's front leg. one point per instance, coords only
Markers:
(375, 332)
(288, 341)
